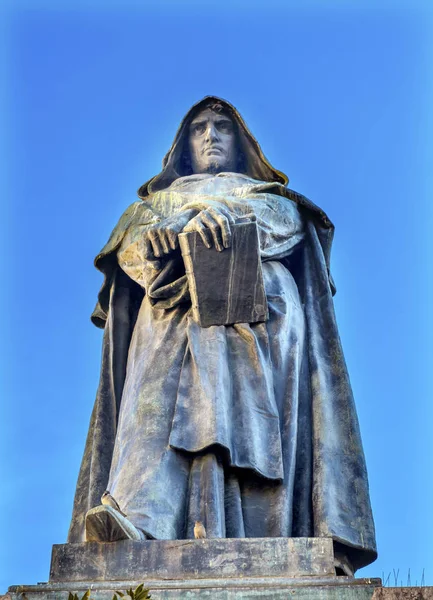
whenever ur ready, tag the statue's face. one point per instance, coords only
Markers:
(212, 143)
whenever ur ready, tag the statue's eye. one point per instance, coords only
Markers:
(198, 128)
(225, 126)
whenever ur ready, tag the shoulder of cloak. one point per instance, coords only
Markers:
(321, 223)
(106, 259)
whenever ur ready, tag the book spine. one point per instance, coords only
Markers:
(185, 240)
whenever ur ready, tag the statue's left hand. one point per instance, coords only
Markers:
(213, 225)
(162, 238)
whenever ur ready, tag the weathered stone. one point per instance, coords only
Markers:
(193, 559)
(332, 588)
(403, 593)
(209, 569)
(320, 588)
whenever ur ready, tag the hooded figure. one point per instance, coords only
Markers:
(249, 428)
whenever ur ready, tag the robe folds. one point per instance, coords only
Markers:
(250, 428)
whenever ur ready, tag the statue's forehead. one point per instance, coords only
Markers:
(209, 114)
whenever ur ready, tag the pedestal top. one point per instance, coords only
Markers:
(193, 559)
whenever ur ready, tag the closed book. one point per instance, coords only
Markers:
(226, 287)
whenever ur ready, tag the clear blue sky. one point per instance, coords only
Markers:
(339, 96)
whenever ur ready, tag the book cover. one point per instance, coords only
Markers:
(226, 287)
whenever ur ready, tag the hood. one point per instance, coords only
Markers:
(255, 163)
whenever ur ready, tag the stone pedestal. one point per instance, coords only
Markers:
(215, 569)
(161, 560)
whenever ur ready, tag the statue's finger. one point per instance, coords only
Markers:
(163, 240)
(172, 238)
(215, 229)
(222, 211)
(148, 250)
(230, 218)
(226, 233)
(196, 225)
(156, 245)
(205, 233)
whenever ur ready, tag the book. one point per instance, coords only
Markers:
(226, 287)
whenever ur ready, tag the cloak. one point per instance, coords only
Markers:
(331, 486)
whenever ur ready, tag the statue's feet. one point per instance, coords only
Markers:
(105, 524)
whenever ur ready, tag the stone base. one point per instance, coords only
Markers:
(223, 559)
(212, 569)
(320, 588)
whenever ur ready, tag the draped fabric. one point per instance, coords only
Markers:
(250, 428)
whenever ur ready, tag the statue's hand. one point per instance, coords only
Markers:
(162, 238)
(213, 224)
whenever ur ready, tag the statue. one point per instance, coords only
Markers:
(249, 427)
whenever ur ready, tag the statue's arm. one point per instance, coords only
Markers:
(151, 241)
(132, 252)
(147, 245)
(280, 224)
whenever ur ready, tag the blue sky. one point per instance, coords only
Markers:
(337, 93)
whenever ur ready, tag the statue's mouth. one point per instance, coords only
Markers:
(212, 150)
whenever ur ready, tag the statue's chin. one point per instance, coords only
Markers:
(214, 167)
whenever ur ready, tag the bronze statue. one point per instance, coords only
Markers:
(248, 427)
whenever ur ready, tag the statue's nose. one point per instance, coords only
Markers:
(211, 133)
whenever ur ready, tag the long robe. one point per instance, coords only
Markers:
(250, 428)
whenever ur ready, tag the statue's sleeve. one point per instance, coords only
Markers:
(279, 222)
(131, 254)
(164, 280)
